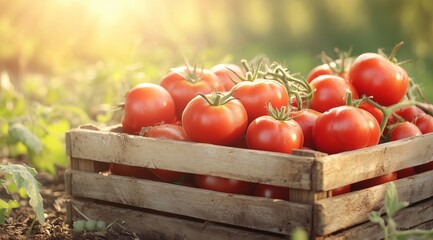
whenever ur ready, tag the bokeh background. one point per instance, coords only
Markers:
(68, 62)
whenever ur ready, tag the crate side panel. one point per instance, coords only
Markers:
(353, 208)
(338, 170)
(248, 165)
(419, 216)
(153, 226)
(257, 213)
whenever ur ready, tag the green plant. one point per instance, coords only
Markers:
(17, 178)
(388, 224)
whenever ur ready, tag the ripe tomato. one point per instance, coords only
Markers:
(330, 91)
(270, 134)
(167, 131)
(424, 123)
(270, 191)
(345, 128)
(225, 185)
(424, 167)
(407, 172)
(147, 104)
(131, 171)
(374, 75)
(215, 119)
(377, 113)
(256, 95)
(184, 83)
(374, 181)
(306, 119)
(410, 113)
(329, 69)
(341, 190)
(404, 130)
(225, 74)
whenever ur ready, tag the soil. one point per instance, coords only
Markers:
(21, 223)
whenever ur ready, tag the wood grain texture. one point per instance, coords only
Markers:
(248, 165)
(336, 213)
(338, 170)
(416, 216)
(153, 226)
(253, 212)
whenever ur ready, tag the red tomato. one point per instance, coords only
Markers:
(222, 123)
(410, 113)
(329, 91)
(225, 185)
(270, 191)
(341, 190)
(184, 83)
(167, 131)
(226, 75)
(424, 123)
(147, 104)
(374, 75)
(256, 95)
(424, 167)
(404, 130)
(374, 181)
(131, 171)
(377, 113)
(407, 172)
(306, 118)
(270, 134)
(345, 128)
(328, 69)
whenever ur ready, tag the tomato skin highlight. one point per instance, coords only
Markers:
(167, 131)
(306, 119)
(270, 191)
(330, 91)
(147, 104)
(371, 74)
(222, 125)
(269, 134)
(183, 90)
(345, 128)
(225, 185)
(256, 95)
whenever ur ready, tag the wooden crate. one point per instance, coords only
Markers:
(168, 211)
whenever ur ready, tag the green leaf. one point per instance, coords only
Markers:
(3, 204)
(299, 234)
(24, 177)
(392, 205)
(20, 133)
(375, 217)
(13, 204)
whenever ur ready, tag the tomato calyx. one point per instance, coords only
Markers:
(218, 98)
(192, 74)
(392, 57)
(340, 65)
(282, 114)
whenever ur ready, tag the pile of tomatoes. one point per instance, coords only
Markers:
(342, 105)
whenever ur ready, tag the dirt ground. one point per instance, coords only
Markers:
(21, 225)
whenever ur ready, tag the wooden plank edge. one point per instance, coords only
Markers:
(336, 213)
(419, 215)
(337, 170)
(154, 226)
(247, 211)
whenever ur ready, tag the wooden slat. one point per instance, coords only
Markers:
(249, 165)
(253, 212)
(153, 226)
(417, 216)
(338, 170)
(336, 213)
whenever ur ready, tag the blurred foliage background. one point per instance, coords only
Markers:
(69, 62)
